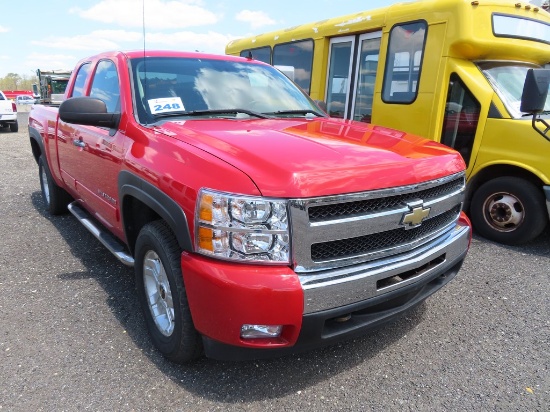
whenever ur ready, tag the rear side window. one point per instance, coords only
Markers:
(404, 62)
(262, 54)
(82, 75)
(297, 55)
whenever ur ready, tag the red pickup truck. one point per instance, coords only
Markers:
(256, 224)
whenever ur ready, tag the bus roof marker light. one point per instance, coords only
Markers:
(518, 5)
(527, 7)
(475, 3)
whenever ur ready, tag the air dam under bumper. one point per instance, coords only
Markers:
(370, 295)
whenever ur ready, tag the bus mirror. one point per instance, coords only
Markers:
(533, 99)
(535, 91)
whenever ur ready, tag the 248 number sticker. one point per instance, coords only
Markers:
(166, 104)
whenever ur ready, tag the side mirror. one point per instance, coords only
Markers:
(88, 111)
(533, 99)
(535, 91)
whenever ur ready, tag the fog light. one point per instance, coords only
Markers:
(261, 331)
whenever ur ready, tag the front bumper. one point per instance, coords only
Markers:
(223, 296)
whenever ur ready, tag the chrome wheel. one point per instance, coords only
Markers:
(504, 212)
(158, 293)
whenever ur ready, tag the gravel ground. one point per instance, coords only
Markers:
(72, 337)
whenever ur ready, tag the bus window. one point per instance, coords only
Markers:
(339, 74)
(403, 63)
(298, 54)
(366, 76)
(262, 54)
(461, 118)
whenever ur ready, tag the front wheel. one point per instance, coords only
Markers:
(508, 210)
(162, 294)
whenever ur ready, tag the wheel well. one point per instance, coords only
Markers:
(136, 215)
(495, 171)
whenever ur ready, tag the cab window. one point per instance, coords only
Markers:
(82, 75)
(105, 85)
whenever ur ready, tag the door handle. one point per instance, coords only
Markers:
(79, 143)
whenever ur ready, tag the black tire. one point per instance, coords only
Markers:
(55, 198)
(159, 279)
(14, 127)
(508, 210)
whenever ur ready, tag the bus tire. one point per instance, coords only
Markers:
(162, 295)
(508, 210)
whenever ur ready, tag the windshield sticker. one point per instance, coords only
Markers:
(166, 104)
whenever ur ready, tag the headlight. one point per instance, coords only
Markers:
(243, 228)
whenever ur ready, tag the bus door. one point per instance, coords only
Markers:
(365, 76)
(340, 66)
(353, 61)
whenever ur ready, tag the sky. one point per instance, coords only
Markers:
(56, 34)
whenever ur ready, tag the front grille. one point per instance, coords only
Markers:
(344, 248)
(332, 232)
(356, 208)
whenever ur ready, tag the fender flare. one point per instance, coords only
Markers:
(34, 135)
(158, 201)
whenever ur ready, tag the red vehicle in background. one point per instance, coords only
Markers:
(256, 224)
(12, 94)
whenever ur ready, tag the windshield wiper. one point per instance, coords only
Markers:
(212, 111)
(301, 111)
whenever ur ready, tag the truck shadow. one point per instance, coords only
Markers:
(226, 382)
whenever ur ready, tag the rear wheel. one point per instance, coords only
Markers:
(14, 127)
(508, 210)
(162, 294)
(55, 198)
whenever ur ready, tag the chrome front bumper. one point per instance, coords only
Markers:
(339, 287)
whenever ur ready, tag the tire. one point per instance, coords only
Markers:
(162, 296)
(14, 127)
(508, 210)
(55, 198)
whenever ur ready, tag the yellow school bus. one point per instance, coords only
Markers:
(449, 70)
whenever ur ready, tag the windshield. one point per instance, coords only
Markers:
(171, 86)
(507, 80)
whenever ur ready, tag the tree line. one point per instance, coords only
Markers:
(14, 81)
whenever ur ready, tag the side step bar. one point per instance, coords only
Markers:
(108, 240)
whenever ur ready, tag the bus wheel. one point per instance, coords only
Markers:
(508, 210)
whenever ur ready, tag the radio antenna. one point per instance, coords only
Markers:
(144, 59)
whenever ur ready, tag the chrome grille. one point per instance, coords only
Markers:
(383, 240)
(339, 210)
(336, 231)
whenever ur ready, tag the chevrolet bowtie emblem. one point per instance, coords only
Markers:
(416, 215)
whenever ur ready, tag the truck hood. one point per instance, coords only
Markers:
(306, 158)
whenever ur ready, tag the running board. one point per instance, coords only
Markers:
(108, 240)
